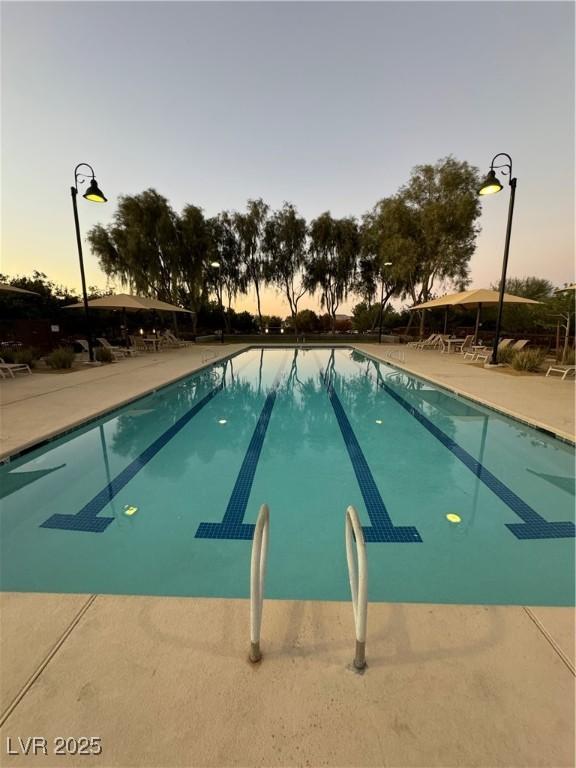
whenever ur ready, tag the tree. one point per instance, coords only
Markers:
(250, 230)
(444, 204)
(142, 248)
(227, 279)
(365, 316)
(51, 297)
(331, 260)
(307, 321)
(561, 309)
(388, 245)
(193, 262)
(285, 248)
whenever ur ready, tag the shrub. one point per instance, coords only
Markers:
(505, 355)
(26, 356)
(103, 355)
(8, 355)
(60, 358)
(528, 360)
(569, 357)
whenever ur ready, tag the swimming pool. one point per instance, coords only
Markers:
(460, 504)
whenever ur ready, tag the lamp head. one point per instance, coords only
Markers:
(94, 193)
(490, 185)
(215, 264)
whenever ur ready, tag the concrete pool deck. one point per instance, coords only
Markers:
(166, 681)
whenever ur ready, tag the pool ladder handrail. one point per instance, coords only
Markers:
(257, 575)
(358, 576)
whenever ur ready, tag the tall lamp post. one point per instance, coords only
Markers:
(386, 264)
(491, 186)
(217, 265)
(95, 195)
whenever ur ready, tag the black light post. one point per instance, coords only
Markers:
(491, 186)
(386, 264)
(93, 194)
(217, 265)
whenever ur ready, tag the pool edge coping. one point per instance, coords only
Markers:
(28, 447)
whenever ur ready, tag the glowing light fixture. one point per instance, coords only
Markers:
(222, 421)
(214, 264)
(452, 517)
(94, 193)
(378, 421)
(490, 185)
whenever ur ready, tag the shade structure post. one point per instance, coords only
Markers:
(445, 320)
(477, 326)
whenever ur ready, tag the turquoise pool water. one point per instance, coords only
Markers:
(160, 496)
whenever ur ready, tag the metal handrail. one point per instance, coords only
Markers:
(358, 575)
(257, 574)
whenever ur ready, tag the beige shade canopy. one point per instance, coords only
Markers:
(475, 298)
(4, 287)
(128, 302)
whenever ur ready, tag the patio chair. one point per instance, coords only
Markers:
(118, 352)
(12, 368)
(485, 352)
(174, 341)
(428, 343)
(518, 345)
(565, 370)
(467, 344)
(138, 345)
(440, 342)
(421, 341)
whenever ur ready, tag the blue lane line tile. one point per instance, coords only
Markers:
(86, 520)
(232, 525)
(533, 526)
(382, 529)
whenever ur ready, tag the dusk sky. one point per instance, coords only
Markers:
(327, 105)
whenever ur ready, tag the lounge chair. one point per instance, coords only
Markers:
(12, 368)
(173, 341)
(429, 343)
(565, 370)
(467, 344)
(520, 344)
(485, 352)
(118, 352)
(421, 341)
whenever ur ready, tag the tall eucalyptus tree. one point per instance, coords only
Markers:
(332, 260)
(227, 279)
(250, 227)
(445, 205)
(284, 246)
(142, 246)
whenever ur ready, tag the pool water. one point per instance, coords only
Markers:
(459, 504)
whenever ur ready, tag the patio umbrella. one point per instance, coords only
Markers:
(478, 298)
(130, 303)
(5, 288)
